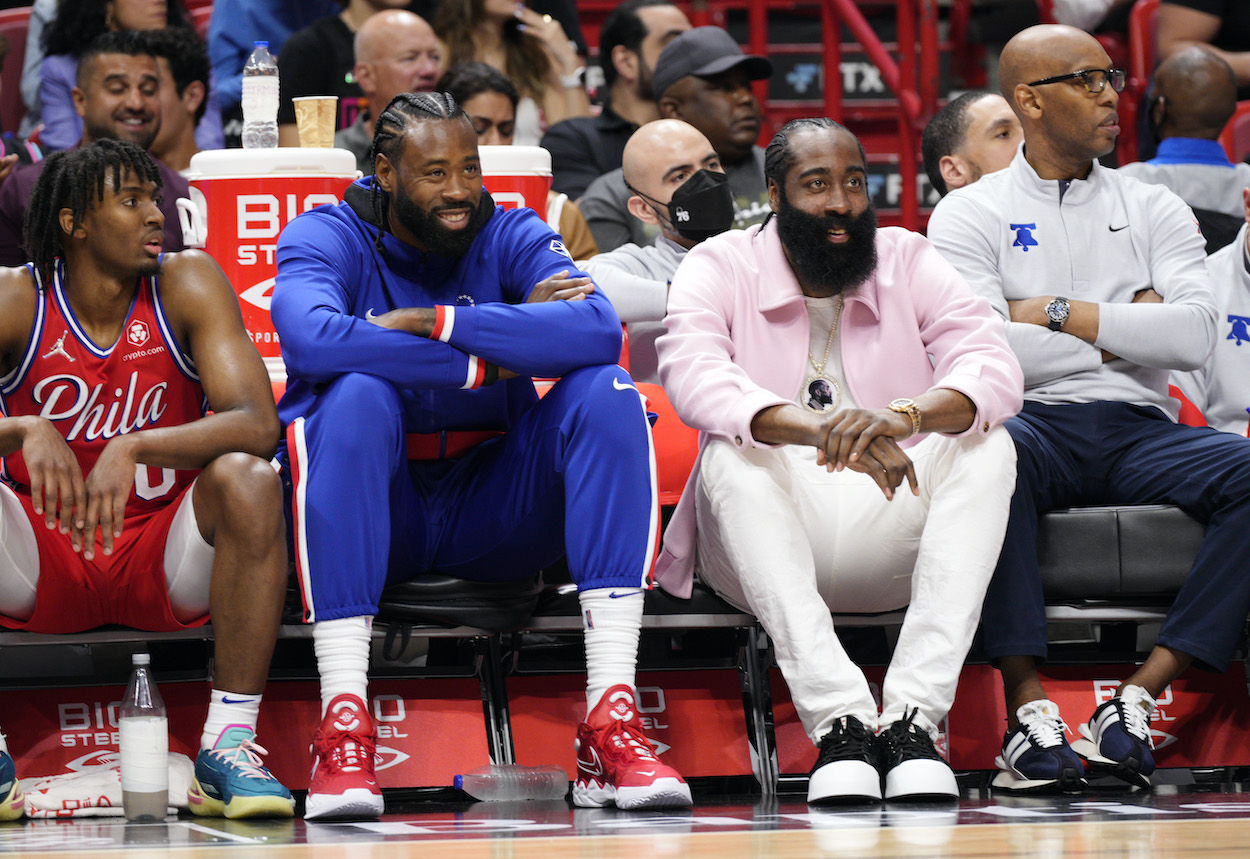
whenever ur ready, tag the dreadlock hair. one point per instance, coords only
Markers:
(75, 179)
(388, 136)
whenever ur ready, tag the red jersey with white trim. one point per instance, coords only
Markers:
(93, 394)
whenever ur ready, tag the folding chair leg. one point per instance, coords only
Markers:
(755, 656)
(495, 700)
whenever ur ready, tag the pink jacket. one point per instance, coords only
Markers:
(737, 339)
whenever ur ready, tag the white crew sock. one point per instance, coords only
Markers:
(225, 710)
(611, 619)
(342, 648)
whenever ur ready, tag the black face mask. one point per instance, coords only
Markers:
(702, 207)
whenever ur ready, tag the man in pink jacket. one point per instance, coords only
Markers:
(826, 363)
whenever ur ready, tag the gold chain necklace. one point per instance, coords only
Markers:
(821, 392)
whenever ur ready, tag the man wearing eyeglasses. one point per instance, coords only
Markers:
(1075, 258)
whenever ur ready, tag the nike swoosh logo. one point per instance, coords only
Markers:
(226, 700)
(615, 596)
(645, 772)
(1117, 229)
(370, 315)
(616, 383)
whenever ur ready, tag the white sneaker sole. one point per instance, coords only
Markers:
(921, 779)
(663, 793)
(844, 781)
(356, 803)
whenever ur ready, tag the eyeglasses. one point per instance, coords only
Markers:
(1095, 79)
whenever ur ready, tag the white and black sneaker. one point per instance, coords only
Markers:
(911, 763)
(846, 770)
(1036, 757)
(1117, 740)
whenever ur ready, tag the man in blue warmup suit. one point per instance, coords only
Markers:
(412, 317)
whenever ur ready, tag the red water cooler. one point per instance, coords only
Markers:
(240, 201)
(517, 176)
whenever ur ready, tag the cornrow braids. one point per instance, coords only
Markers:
(779, 157)
(388, 136)
(75, 179)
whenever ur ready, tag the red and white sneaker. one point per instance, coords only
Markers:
(343, 784)
(615, 762)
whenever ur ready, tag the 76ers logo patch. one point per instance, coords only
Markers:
(137, 333)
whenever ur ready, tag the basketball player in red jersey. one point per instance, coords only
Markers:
(123, 499)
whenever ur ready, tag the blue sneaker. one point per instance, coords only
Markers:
(1117, 737)
(231, 781)
(13, 804)
(1036, 757)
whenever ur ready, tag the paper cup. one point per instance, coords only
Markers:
(314, 116)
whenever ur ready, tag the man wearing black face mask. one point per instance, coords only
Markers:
(702, 78)
(678, 187)
(826, 362)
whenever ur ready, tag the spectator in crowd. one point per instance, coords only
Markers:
(817, 330)
(490, 100)
(680, 188)
(13, 149)
(1092, 15)
(1220, 388)
(117, 96)
(77, 23)
(42, 13)
(1074, 257)
(1221, 25)
(183, 61)
(170, 510)
(321, 60)
(585, 148)
(385, 377)
(704, 78)
(973, 134)
(396, 51)
(1191, 99)
(234, 27)
(533, 50)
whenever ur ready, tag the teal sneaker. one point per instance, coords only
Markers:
(231, 781)
(13, 804)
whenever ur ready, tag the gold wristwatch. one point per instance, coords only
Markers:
(909, 408)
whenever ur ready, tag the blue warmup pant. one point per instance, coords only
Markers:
(575, 476)
(1116, 453)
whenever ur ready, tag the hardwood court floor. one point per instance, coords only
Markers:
(1170, 822)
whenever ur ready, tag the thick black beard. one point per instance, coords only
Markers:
(434, 237)
(831, 268)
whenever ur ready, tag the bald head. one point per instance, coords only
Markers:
(663, 151)
(1194, 94)
(658, 159)
(396, 51)
(1067, 125)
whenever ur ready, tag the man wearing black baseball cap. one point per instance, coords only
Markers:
(704, 78)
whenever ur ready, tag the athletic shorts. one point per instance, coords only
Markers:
(126, 588)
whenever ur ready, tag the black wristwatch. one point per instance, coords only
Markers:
(1057, 312)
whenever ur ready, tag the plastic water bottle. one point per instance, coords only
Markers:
(503, 783)
(144, 746)
(260, 99)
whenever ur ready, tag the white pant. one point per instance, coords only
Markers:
(787, 541)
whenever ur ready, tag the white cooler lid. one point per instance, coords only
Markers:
(283, 161)
(512, 160)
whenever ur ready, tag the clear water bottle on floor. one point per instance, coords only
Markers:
(144, 746)
(503, 783)
(260, 99)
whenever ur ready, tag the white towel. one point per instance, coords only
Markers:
(97, 791)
